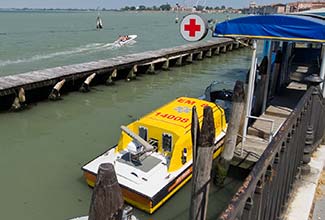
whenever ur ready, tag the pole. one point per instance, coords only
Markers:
(250, 91)
(322, 70)
(202, 167)
(268, 73)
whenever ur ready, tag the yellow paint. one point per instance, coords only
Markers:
(174, 118)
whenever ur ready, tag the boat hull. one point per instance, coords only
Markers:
(151, 204)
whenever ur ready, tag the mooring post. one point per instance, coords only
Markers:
(107, 201)
(110, 81)
(165, 66)
(55, 93)
(85, 85)
(203, 163)
(227, 154)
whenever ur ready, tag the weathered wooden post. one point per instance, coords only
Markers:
(85, 85)
(107, 200)
(202, 163)
(55, 93)
(227, 154)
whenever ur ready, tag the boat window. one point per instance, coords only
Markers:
(167, 141)
(143, 132)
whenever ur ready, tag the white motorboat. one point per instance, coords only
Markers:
(124, 40)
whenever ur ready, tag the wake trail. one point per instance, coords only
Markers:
(89, 48)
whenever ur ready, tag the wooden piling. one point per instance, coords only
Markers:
(85, 85)
(110, 81)
(55, 93)
(227, 154)
(217, 51)
(132, 74)
(209, 53)
(189, 59)
(165, 66)
(224, 49)
(151, 69)
(179, 61)
(202, 163)
(107, 201)
(19, 101)
(200, 56)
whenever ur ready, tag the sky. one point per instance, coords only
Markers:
(117, 4)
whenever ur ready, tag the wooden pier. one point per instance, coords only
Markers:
(38, 84)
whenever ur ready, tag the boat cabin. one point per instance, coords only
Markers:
(168, 131)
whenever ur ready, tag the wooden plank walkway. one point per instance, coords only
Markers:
(259, 132)
(39, 78)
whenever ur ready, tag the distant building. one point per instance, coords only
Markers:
(283, 8)
(303, 6)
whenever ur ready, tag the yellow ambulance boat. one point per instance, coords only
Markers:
(153, 158)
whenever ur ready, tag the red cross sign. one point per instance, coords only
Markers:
(193, 27)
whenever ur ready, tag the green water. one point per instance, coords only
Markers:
(43, 148)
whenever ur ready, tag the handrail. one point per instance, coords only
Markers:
(265, 190)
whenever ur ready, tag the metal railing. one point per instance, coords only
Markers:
(265, 191)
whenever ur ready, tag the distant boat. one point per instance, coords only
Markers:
(99, 23)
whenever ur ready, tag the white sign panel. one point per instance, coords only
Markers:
(193, 27)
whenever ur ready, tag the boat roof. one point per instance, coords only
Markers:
(274, 27)
(176, 116)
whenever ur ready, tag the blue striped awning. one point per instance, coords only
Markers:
(274, 27)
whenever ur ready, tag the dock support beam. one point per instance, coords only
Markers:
(179, 61)
(55, 93)
(151, 69)
(165, 66)
(110, 81)
(85, 85)
(19, 101)
(217, 51)
(230, 46)
(237, 110)
(189, 59)
(237, 45)
(202, 158)
(132, 74)
(107, 200)
(224, 49)
(209, 53)
(200, 56)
